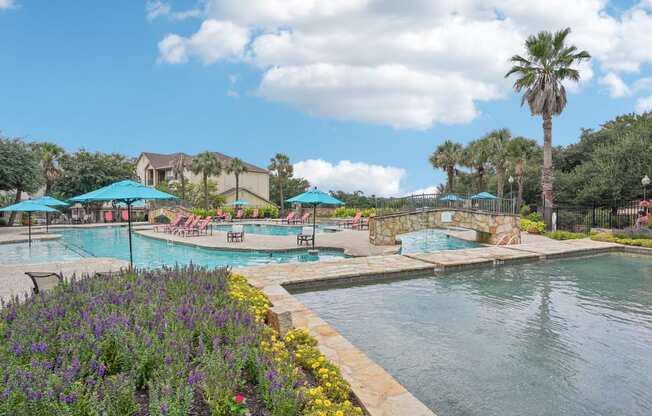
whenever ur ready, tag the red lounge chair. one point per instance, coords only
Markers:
(108, 216)
(354, 222)
(254, 215)
(124, 215)
(193, 224)
(303, 219)
(200, 228)
(289, 218)
(187, 223)
(220, 215)
(240, 214)
(167, 227)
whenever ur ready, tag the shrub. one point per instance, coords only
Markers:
(644, 242)
(532, 227)
(535, 217)
(3, 222)
(343, 212)
(162, 219)
(525, 210)
(564, 235)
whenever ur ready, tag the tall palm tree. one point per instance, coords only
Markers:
(497, 144)
(236, 167)
(282, 170)
(519, 151)
(476, 156)
(179, 166)
(206, 165)
(446, 157)
(541, 74)
(50, 154)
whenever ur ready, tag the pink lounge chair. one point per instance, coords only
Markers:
(303, 219)
(240, 214)
(108, 216)
(124, 215)
(193, 224)
(168, 227)
(200, 228)
(289, 218)
(254, 215)
(182, 224)
(354, 222)
(220, 215)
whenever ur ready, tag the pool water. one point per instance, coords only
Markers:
(432, 240)
(269, 229)
(148, 252)
(570, 337)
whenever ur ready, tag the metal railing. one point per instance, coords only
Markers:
(413, 203)
(614, 215)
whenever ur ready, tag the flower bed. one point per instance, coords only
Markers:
(610, 238)
(165, 342)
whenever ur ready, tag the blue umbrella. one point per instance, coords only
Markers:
(314, 197)
(240, 202)
(484, 195)
(452, 198)
(51, 202)
(28, 207)
(128, 192)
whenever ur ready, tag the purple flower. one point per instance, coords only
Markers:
(16, 349)
(39, 347)
(195, 377)
(101, 370)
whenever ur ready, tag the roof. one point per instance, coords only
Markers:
(232, 190)
(164, 161)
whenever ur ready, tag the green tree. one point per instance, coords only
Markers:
(446, 157)
(49, 155)
(237, 168)
(206, 165)
(85, 171)
(19, 169)
(293, 186)
(476, 157)
(281, 170)
(497, 145)
(519, 151)
(541, 74)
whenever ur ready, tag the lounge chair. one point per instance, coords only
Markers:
(200, 228)
(353, 222)
(193, 224)
(306, 236)
(254, 215)
(48, 280)
(108, 216)
(167, 227)
(124, 215)
(303, 219)
(239, 215)
(220, 215)
(236, 234)
(361, 225)
(173, 229)
(289, 218)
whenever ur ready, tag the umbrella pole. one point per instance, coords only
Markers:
(47, 222)
(29, 228)
(314, 218)
(131, 255)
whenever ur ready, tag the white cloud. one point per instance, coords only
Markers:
(406, 64)
(155, 9)
(7, 4)
(644, 104)
(615, 85)
(213, 41)
(427, 190)
(351, 176)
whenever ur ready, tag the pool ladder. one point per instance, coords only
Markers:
(511, 239)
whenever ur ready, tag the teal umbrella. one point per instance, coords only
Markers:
(451, 198)
(484, 195)
(240, 202)
(28, 207)
(314, 197)
(127, 192)
(51, 202)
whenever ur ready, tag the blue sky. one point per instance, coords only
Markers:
(130, 76)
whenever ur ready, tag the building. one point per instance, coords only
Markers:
(154, 168)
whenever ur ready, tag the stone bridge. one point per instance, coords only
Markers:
(491, 228)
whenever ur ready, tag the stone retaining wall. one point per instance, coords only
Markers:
(491, 228)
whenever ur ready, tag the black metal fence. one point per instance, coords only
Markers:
(385, 206)
(616, 215)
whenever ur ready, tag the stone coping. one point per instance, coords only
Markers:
(20, 238)
(468, 210)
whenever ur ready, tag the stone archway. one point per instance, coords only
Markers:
(492, 228)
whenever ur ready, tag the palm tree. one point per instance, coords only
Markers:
(541, 75)
(476, 156)
(282, 170)
(207, 165)
(519, 151)
(236, 167)
(179, 166)
(497, 144)
(49, 161)
(446, 157)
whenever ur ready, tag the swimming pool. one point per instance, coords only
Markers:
(270, 229)
(148, 252)
(431, 240)
(570, 337)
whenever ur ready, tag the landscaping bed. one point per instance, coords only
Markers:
(184, 341)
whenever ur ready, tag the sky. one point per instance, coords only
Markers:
(358, 93)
